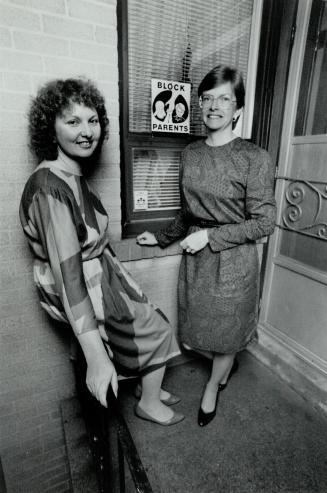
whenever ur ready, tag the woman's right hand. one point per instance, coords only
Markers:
(146, 238)
(100, 369)
(99, 375)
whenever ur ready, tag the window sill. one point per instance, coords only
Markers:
(128, 250)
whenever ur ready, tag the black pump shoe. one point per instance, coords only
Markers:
(205, 418)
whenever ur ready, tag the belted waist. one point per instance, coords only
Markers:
(204, 223)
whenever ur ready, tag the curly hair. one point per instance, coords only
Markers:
(51, 100)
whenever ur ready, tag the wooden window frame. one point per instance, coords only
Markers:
(136, 222)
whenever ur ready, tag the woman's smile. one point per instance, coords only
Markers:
(78, 131)
(85, 144)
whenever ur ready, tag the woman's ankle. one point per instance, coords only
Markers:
(213, 386)
(156, 408)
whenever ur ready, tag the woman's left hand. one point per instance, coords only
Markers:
(195, 241)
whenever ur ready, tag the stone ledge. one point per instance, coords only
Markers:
(79, 452)
(128, 250)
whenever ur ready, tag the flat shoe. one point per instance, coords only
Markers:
(170, 401)
(176, 418)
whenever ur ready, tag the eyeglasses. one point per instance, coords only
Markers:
(225, 102)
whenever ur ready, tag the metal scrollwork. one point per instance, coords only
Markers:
(305, 209)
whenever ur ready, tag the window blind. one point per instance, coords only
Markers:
(156, 172)
(182, 40)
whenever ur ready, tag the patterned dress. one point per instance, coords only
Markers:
(229, 191)
(79, 278)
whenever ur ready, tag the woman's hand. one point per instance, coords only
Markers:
(146, 238)
(100, 369)
(99, 375)
(195, 241)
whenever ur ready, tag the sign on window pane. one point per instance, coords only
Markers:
(170, 106)
(140, 200)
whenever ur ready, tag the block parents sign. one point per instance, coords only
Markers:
(170, 106)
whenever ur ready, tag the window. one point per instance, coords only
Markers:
(179, 41)
(311, 118)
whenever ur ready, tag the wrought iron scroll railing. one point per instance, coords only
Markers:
(111, 442)
(305, 207)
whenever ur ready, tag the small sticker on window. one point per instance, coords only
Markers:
(140, 200)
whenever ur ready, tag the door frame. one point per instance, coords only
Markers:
(276, 41)
(288, 360)
(282, 158)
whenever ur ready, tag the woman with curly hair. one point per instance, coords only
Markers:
(79, 278)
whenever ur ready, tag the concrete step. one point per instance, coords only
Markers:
(78, 449)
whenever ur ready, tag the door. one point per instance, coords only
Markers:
(294, 299)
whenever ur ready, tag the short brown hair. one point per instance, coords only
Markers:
(221, 74)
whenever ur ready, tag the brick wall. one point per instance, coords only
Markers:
(41, 40)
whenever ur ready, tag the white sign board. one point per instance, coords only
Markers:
(170, 106)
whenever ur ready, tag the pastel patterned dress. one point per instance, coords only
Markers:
(79, 278)
(229, 191)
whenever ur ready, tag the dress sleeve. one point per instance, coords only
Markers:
(176, 229)
(180, 224)
(61, 228)
(260, 208)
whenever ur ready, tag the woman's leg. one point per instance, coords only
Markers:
(226, 375)
(151, 392)
(206, 354)
(221, 365)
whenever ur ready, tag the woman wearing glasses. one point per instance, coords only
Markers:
(227, 203)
